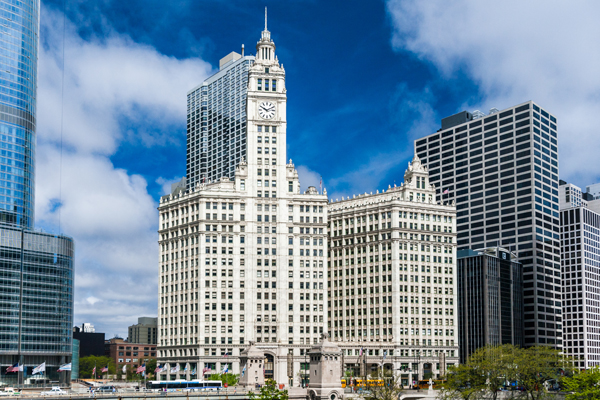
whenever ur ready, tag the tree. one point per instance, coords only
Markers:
(583, 385)
(269, 391)
(537, 365)
(229, 379)
(463, 382)
(150, 367)
(86, 366)
(492, 367)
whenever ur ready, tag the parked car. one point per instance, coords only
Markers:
(106, 389)
(55, 391)
(8, 391)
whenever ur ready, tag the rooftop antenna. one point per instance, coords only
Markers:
(265, 18)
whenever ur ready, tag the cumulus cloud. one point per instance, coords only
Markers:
(308, 177)
(116, 91)
(517, 51)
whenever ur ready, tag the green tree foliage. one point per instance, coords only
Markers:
(269, 391)
(490, 368)
(583, 385)
(86, 366)
(229, 379)
(150, 367)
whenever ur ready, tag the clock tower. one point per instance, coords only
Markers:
(266, 113)
(255, 245)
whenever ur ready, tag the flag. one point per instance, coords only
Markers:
(185, 368)
(65, 367)
(124, 369)
(15, 368)
(446, 191)
(140, 369)
(205, 370)
(384, 354)
(361, 351)
(105, 369)
(39, 368)
(226, 354)
(158, 369)
(94, 372)
(175, 369)
(244, 370)
(193, 371)
(321, 185)
(225, 368)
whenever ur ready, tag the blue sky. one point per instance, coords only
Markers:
(364, 79)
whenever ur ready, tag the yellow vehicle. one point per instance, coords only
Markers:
(343, 383)
(359, 383)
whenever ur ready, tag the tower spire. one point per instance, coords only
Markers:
(265, 18)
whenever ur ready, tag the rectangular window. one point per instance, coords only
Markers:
(274, 87)
(259, 84)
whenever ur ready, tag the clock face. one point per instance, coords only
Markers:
(266, 110)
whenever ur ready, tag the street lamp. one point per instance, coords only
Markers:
(304, 373)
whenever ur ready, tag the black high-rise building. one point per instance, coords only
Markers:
(502, 171)
(490, 299)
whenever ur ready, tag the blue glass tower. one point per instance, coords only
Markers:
(36, 289)
(18, 82)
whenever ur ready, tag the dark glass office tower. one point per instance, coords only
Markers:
(490, 299)
(36, 289)
(502, 171)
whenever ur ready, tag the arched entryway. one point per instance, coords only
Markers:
(269, 366)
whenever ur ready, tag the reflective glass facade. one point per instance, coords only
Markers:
(36, 269)
(36, 298)
(18, 76)
(216, 123)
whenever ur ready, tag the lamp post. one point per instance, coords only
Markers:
(304, 369)
(418, 358)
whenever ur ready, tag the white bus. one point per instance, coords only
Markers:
(181, 385)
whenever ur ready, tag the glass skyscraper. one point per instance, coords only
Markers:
(36, 289)
(18, 84)
(216, 122)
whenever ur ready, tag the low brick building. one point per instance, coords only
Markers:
(131, 354)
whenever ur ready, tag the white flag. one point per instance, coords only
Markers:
(65, 367)
(124, 368)
(39, 368)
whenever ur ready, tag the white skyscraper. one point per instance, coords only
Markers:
(393, 280)
(244, 259)
(580, 267)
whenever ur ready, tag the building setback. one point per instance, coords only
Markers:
(392, 279)
(502, 171)
(144, 331)
(490, 299)
(580, 241)
(36, 289)
(243, 259)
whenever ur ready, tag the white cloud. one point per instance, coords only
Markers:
(546, 51)
(115, 91)
(166, 184)
(308, 177)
